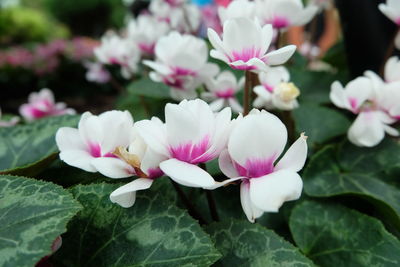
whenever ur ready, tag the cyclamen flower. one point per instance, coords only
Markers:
(181, 63)
(96, 72)
(275, 91)
(244, 45)
(192, 134)
(119, 51)
(361, 97)
(237, 9)
(8, 123)
(139, 160)
(392, 10)
(145, 31)
(223, 91)
(284, 13)
(42, 104)
(97, 137)
(255, 144)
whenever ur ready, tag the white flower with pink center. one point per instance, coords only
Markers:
(192, 134)
(373, 106)
(237, 9)
(97, 137)
(42, 104)
(255, 144)
(115, 50)
(222, 92)
(275, 91)
(284, 13)
(392, 10)
(145, 31)
(244, 45)
(181, 63)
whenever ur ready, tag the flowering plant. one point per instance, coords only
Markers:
(222, 147)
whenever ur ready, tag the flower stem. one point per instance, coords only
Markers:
(278, 40)
(210, 199)
(191, 210)
(212, 206)
(290, 125)
(247, 93)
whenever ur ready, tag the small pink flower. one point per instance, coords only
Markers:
(42, 104)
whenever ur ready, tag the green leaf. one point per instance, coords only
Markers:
(152, 232)
(332, 235)
(244, 244)
(147, 87)
(325, 177)
(315, 85)
(33, 214)
(319, 123)
(23, 147)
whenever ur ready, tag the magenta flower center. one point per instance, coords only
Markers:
(228, 93)
(95, 151)
(192, 153)
(279, 22)
(256, 167)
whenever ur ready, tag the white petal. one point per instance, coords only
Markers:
(269, 192)
(68, 138)
(125, 195)
(296, 156)
(259, 135)
(367, 130)
(217, 105)
(118, 126)
(113, 167)
(78, 158)
(251, 211)
(234, 104)
(338, 97)
(186, 174)
(188, 122)
(154, 135)
(226, 165)
(280, 56)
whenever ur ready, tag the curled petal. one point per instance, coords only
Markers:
(125, 195)
(251, 211)
(186, 174)
(295, 158)
(113, 167)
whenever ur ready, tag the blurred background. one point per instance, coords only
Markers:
(46, 43)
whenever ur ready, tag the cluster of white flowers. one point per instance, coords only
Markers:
(374, 100)
(247, 147)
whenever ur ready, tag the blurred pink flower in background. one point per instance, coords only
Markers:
(42, 104)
